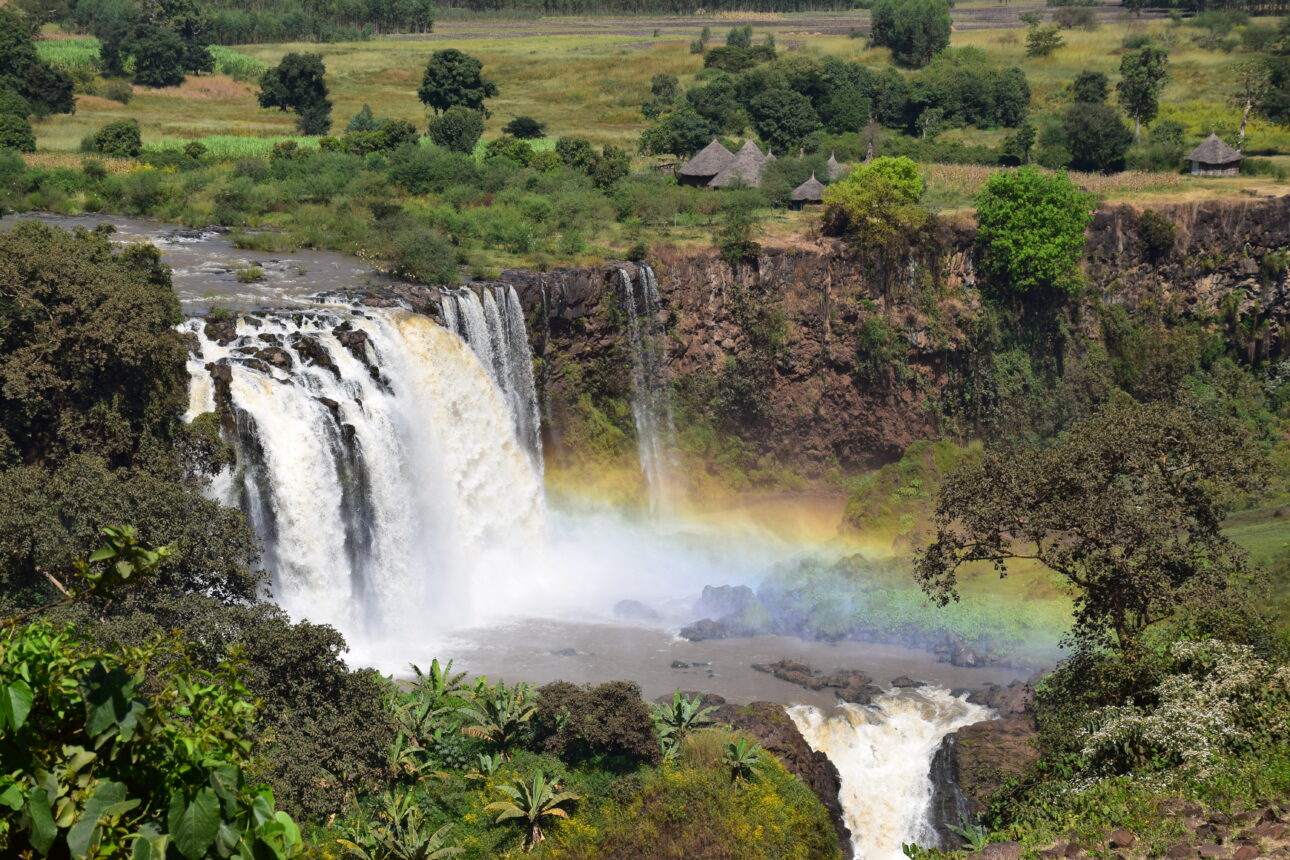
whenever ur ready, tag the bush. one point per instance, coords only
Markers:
(1042, 41)
(525, 128)
(1096, 136)
(1070, 17)
(122, 138)
(16, 133)
(421, 255)
(458, 129)
(118, 91)
(1031, 231)
(878, 204)
(608, 719)
(1156, 233)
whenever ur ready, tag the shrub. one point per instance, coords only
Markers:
(510, 148)
(611, 719)
(16, 133)
(118, 91)
(1042, 41)
(421, 255)
(1031, 231)
(1156, 233)
(575, 152)
(1096, 137)
(1070, 17)
(525, 128)
(878, 204)
(122, 138)
(458, 129)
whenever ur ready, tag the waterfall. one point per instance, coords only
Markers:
(651, 396)
(494, 327)
(883, 754)
(378, 462)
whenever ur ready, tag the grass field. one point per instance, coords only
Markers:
(589, 76)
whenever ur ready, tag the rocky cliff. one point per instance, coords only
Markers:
(817, 356)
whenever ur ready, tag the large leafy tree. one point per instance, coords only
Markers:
(682, 133)
(1096, 136)
(459, 129)
(782, 118)
(160, 57)
(1030, 232)
(914, 30)
(878, 204)
(1144, 74)
(455, 78)
(298, 84)
(46, 89)
(1127, 508)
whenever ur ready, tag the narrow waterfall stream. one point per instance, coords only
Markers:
(494, 327)
(883, 754)
(651, 396)
(377, 460)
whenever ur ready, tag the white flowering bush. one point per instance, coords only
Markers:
(1219, 698)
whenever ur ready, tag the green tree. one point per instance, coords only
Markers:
(878, 204)
(681, 716)
(681, 133)
(575, 152)
(1096, 136)
(665, 89)
(1127, 508)
(610, 719)
(1093, 87)
(159, 57)
(1017, 146)
(1252, 85)
(298, 83)
(739, 37)
(742, 759)
(16, 133)
(610, 166)
(1030, 232)
(454, 78)
(1011, 93)
(458, 129)
(47, 89)
(914, 30)
(782, 119)
(1042, 41)
(1144, 74)
(531, 801)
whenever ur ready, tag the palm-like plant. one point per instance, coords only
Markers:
(401, 834)
(500, 715)
(431, 691)
(681, 717)
(742, 758)
(529, 803)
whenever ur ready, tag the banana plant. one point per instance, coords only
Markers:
(681, 717)
(401, 834)
(500, 715)
(530, 802)
(742, 758)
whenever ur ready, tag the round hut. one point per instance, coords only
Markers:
(1215, 158)
(744, 168)
(701, 169)
(808, 193)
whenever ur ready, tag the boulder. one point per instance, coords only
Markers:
(906, 682)
(1012, 699)
(634, 610)
(705, 628)
(725, 601)
(988, 753)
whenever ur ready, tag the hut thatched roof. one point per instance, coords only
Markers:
(834, 168)
(1214, 151)
(745, 167)
(810, 191)
(709, 162)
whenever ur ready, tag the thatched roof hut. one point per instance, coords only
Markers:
(710, 161)
(810, 191)
(745, 167)
(834, 168)
(1215, 158)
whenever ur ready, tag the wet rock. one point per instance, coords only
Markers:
(964, 657)
(314, 353)
(1122, 839)
(222, 329)
(988, 753)
(949, 805)
(680, 664)
(906, 682)
(705, 628)
(565, 652)
(275, 356)
(998, 851)
(775, 730)
(793, 672)
(1012, 699)
(725, 601)
(634, 610)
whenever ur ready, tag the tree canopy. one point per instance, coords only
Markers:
(914, 30)
(453, 78)
(298, 84)
(1144, 74)
(1127, 507)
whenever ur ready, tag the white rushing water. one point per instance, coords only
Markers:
(494, 327)
(651, 395)
(883, 754)
(381, 469)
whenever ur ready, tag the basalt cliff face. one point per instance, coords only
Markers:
(821, 355)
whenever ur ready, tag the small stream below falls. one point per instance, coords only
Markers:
(393, 470)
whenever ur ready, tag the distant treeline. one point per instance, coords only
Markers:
(223, 22)
(649, 7)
